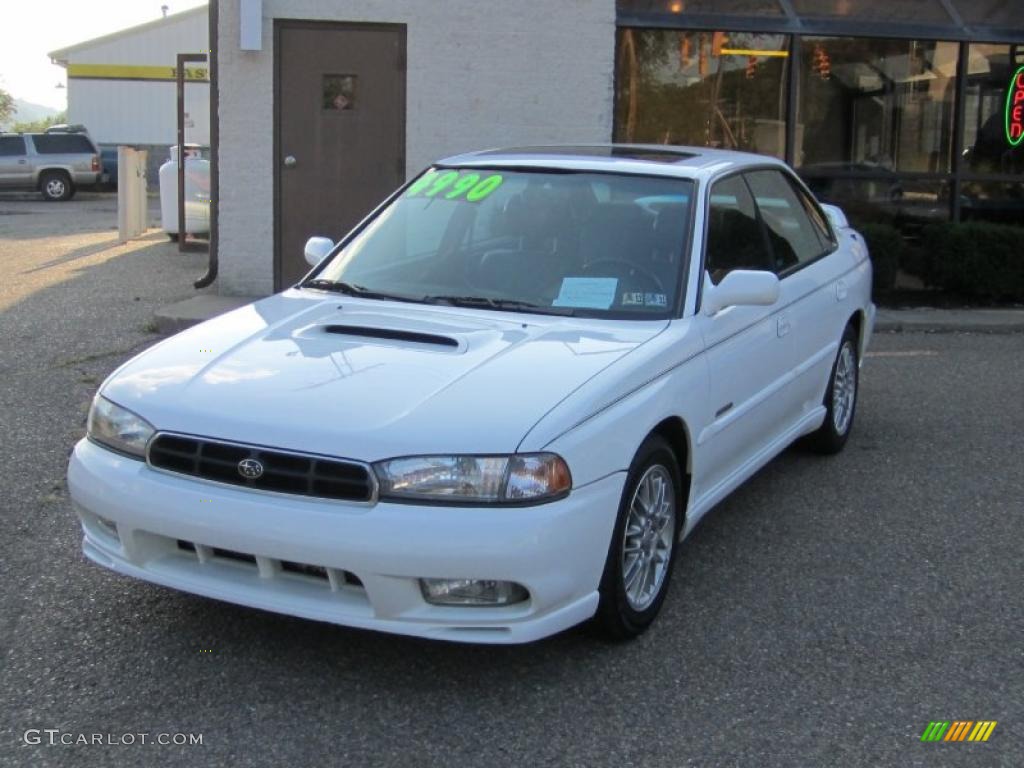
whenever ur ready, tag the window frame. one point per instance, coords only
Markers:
(800, 187)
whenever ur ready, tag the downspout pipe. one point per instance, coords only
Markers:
(211, 270)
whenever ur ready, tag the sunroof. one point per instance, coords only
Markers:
(649, 154)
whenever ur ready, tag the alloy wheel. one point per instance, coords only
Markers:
(844, 389)
(648, 538)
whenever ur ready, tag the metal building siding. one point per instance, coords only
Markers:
(138, 112)
(188, 33)
(141, 112)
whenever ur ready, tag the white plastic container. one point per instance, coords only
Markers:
(197, 192)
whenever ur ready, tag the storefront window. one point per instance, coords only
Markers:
(998, 202)
(991, 126)
(716, 89)
(869, 105)
(930, 11)
(1007, 13)
(907, 203)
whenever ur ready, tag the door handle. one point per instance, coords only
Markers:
(290, 161)
(784, 325)
(841, 290)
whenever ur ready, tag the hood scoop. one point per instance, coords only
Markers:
(393, 334)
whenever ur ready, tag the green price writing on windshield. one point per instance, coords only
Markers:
(452, 185)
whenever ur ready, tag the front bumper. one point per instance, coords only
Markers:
(372, 556)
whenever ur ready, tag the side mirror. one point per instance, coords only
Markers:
(836, 216)
(317, 249)
(742, 287)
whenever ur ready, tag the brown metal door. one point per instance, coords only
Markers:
(340, 131)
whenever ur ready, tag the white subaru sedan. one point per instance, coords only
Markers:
(495, 408)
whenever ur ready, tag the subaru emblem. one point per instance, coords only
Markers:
(250, 469)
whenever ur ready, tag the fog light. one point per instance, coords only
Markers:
(109, 527)
(472, 592)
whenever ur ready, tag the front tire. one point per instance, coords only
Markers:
(641, 555)
(56, 186)
(840, 398)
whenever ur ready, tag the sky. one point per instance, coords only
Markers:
(29, 29)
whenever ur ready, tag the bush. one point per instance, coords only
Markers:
(977, 260)
(885, 244)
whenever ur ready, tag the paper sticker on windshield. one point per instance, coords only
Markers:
(639, 299)
(587, 292)
(455, 185)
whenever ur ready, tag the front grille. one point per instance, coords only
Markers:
(283, 472)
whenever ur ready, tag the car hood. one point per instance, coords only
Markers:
(370, 379)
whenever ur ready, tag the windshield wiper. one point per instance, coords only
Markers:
(351, 289)
(483, 302)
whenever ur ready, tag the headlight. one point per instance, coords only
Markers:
(118, 428)
(520, 478)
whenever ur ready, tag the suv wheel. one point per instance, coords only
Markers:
(56, 186)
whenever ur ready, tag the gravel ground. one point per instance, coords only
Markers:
(821, 616)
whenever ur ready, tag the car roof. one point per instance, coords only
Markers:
(641, 159)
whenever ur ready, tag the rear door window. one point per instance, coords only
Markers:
(11, 145)
(795, 239)
(63, 144)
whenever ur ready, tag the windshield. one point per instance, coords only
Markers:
(591, 244)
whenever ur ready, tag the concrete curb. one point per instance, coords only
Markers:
(928, 320)
(184, 314)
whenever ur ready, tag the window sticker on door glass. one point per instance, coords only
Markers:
(452, 185)
(587, 292)
(640, 299)
(339, 92)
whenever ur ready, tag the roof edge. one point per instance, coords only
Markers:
(58, 55)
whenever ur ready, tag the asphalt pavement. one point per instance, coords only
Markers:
(822, 615)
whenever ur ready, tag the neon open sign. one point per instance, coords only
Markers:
(1015, 109)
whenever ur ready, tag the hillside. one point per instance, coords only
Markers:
(27, 112)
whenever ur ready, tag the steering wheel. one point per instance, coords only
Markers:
(628, 270)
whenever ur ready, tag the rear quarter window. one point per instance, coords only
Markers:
(63, 144)
(11, 145)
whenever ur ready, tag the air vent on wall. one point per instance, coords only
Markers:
(394, 334)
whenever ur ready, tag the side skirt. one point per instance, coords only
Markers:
(807, 423)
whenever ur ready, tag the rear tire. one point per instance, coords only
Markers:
(56, 186)
(172, 236)
(840, 398)
(642, 551)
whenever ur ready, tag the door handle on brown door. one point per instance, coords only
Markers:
(290, 161)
